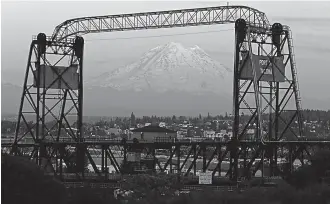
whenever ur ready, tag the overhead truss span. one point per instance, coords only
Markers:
(161, 19)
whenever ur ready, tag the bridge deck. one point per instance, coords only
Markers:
(173, 143)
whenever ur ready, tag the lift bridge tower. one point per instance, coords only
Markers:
(266, 95)
(51, 103)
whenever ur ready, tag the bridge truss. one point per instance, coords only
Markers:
(272, 109)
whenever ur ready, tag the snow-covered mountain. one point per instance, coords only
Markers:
(169, 67)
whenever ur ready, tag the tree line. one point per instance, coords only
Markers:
(320, 116)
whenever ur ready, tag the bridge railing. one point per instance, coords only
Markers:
(186, 141)
(155, 140)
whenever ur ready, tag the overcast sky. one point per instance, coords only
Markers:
(309, 21)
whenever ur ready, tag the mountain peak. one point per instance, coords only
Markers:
(169, 67)
(174, 45)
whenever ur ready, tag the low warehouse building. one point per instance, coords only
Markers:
(152, 133)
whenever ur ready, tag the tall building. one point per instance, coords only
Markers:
(133, 121)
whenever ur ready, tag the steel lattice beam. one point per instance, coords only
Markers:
(161, 19)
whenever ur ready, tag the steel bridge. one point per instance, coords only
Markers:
(205, 156)
(265, 87)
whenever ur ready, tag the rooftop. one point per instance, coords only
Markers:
(153, 128)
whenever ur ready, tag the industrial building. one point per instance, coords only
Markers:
(152, 133)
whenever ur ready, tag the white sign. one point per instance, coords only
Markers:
(267, 68)
(49, 77)
(205, 178)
